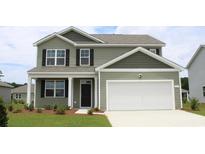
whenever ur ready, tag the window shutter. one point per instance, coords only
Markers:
(42, 88)
(67, 57)
(66, 88)
(44, 57)
(91, 57)
(77, 57)
(157, 52)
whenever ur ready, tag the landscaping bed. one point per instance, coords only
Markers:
(201, 111)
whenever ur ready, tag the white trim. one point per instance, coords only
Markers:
(145, 51)
(193, 57)
(70, 91)
(139, 70)
(54, 95)
(56, 57)
(172, 83)
(53, 36)
(34, 95)
(91, 83)
(153, 50)
(85, 57)
(176, 86)
(99, 94)
(180, 91)
(80, 32)
(119, 45)
(29, 82)
(96, 89)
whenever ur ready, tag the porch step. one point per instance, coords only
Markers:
(82, 111)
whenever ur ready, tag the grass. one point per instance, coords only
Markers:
(187, 107)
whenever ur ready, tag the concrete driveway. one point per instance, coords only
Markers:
(172, 118)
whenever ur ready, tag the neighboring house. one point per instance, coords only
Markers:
(20, 93)
(196, 71)
(5, 91)
(108, 71)
(185, 94)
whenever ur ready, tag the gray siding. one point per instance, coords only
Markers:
(76, 37)
(139, 60)
(101, 54)
(5, 93)
(133, 76)
(197, 76)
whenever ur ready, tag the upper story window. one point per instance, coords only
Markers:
(203, 90)
(84, 57)
(55, 57)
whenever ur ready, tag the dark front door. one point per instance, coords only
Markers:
(85, 95)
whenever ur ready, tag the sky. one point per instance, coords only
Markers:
(17, 54)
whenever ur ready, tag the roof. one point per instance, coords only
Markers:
(127, 39)
(4, 84)
(22, 89)
(62, 69)
(105, 39)
(194, 56)
(145, 51)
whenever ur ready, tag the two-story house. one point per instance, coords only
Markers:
(196, 73)
(108, 71)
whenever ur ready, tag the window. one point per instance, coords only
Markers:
(55, 88)
(203, 90)
(18, 96)
(55, 57)
(84, 57)
(153, 50)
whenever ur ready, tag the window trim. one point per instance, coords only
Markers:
(54, 94)
(153, 50)
(55, 57)
(88, 57)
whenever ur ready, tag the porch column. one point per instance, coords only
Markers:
(29, 82)
(34, 95)
(69, 91)
(96, 89)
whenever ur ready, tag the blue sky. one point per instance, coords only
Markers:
(17, 54)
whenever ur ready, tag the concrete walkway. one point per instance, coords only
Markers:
(172, 118)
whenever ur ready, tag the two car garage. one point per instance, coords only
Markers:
(140, 95)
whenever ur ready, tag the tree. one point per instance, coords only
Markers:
(3, 114)
(185, 83)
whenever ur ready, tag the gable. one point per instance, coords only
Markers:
(76, 37)
(139, 60)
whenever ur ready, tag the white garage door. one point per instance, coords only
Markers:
(140, 95)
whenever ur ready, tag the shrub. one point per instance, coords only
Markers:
(17, 111)
(26, 106)
(96, 109)
(39, 110)
(21, 102)
(67, 107)
(55, 107)
(194, 104)
(90, 111)
(48, 107)
(1, 100)
(3, 116)
(60, 110)
(31, 107)
(10, 108)
(184, 101)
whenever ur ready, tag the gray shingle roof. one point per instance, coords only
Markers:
(4, 84)
(62, 69)
(127, 39)
(22, 89)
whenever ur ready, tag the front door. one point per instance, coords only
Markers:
(86, 93)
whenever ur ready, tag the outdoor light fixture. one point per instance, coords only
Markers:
(139, 76)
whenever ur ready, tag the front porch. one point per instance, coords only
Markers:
(74, 90)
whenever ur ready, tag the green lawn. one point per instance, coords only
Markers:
(52, 120)
(201, 111)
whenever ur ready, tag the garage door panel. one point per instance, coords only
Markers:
(125, 95)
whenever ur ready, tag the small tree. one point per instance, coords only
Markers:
(3, 116)
(194, 104)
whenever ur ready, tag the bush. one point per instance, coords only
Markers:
(96, 109)
(31, 107)
(60, 110)
(1, 100)
(55, 107)
(10, 108)
(90, 111)
(67, 107)
(17, 111)
(26, 106)
(39, 110)
(48, 107)
(3, 115)
(184, 101)
(194, 104)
